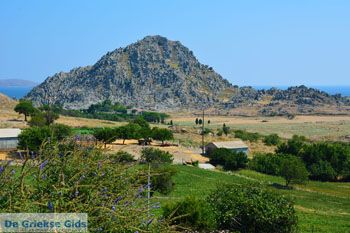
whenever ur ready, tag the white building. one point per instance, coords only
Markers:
(236, 146)
(9, 138)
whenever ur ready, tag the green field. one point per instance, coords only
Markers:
(321, 206)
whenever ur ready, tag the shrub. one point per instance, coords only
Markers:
(206, 131)
(61, 131)
(33, 137)
(293, 146)
(161, 179)
(293, 170)
(154, 155)
(322, 170)
(190, 214)
(252, 209)
(37, 119)
(246, 136)
(122, 157)
(229, 159)
(67, 179)
(266, 163)
(272, 139)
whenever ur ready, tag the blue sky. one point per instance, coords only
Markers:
(247, 42)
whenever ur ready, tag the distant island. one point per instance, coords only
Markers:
(17, 83)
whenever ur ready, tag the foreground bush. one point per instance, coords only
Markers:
(191, 214)
(66, 178)
(252, 209)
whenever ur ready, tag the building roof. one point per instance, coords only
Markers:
(206, 166)
(230, 144)
(9, 133)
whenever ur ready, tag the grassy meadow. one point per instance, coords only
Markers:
(320, 206)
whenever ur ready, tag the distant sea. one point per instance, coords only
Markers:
(15, 92)
(343, 90)
(19, 92)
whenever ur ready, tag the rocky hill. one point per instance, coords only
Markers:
(294, 100)
(153, 73)
(159, 74)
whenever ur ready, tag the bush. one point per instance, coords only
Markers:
(69, 180)
(122, 157)
(246, 136)
(154, 155)
(272, 140)
(61, 131)
(161, 179)
(229, 159)
(293, 146)
(190, 213)
(266, 163)
(252, 209)
(323, 171)
(33, 137)
(293, 170)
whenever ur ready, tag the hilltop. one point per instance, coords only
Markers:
(153, 73)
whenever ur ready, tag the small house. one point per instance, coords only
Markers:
(236, 146)
(9, 139)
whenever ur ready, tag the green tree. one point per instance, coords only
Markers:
(33, 137)
(200, 121)
(229, 159)
(50, 113)
(105, 135)
(252, 209)
(37, 119)
(61, 131)
(162, 134)
(225, 129)
(196, 121)
(155, 156)
(293, 146)
(129, 131)
(25, 107)
(293, 170)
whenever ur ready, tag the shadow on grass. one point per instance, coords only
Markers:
(281, 186)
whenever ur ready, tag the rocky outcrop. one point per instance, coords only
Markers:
(153, 73)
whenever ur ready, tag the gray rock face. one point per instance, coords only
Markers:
(154, 73)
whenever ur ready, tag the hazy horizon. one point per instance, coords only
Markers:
(250, 43)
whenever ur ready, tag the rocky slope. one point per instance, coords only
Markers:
(153, 73)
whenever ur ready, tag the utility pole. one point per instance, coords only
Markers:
(203, 151)
(149, 189)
